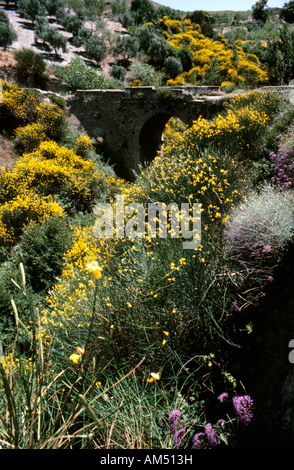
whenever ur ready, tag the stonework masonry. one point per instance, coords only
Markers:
(128, 124)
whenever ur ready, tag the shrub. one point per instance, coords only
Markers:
(29, 137)
(143, 75)
(260, 229)
(18, 106)
(30, 67)
(41, 251)
(79, 76)
(15, 214)
(118, 72)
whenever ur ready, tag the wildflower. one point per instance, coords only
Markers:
(154, 377)
(243, 408)
(178, 436)
(197, 440)
(266, 249)
(221, 422)
(174, 419)
(95, 269)
(75, 358)
(236, 307)
(211, 435)
(223, 397)
(279, 137)
(270, 279)
(80, 350)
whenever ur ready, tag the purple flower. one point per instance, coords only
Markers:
(197, 440)
(211, 435)
(174, 419)
(223, 397)
(220, 422)
(243, 408)
(270, 279)
(246, 245)
(236, 307)
(266, 249)
(279, 137)
(178, 436)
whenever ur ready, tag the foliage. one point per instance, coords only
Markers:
(7, 33)
(31, 9)
(287, 12)
(235, 65)
(96, 48)
(143, 75)
(51, 37)
(80, 76)
(280, 58)
(143, 11)
(259, 11)
(126, 46)
(30, 67)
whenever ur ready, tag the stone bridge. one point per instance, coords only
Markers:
(128, 124)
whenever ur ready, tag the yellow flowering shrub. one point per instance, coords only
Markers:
(234, 65)
(24, 208)
(30, 136)
(82, 145)
(51, 117)
(19, 106)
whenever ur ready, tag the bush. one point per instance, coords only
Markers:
(96, 48)
(118, 72)
(143, 75)
(79, 76)
(30, 67)
(18, 107)
(41, 251)
(259, 230)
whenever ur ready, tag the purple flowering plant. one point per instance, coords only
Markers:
(213, 435)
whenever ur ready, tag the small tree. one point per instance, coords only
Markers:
(82, 37)
(259, 11)
(118, 7)
(7, 33)
(95, 7)
(51, 37)
(287, 12)
(172, 67)
(143, 11)
(126, 46)
(96, 48)
(31, 9)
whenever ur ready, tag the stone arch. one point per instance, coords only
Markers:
(148, 136)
